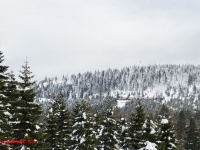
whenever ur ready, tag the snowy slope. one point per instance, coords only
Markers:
(153, 81)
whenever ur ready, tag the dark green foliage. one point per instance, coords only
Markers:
(83, 134)
(180, 127)
(151, 131)
(3, 96)
(4, 115)
(107, 138)
(52, 127)
(42, 137)
(136, 129)
(168, 135)
(192, 136)
(12, 101)
(161, 145)
(77, 129)
(3, 69)
(28, 112)
(122, 133)
(97, 122)
(64, 123)
(164, 111)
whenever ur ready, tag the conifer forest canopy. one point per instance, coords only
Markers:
(82, 112)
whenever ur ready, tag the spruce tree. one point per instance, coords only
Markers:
(136, 128)
(13, 98)
(4, 104)
(168, 135)
(83, 133)
(77, 129)
(161, 144)
(192, 136)
(64, 123)
(151, 131)
(97, 123)
(90, 134)
(164, 111)
(122, 133)
(42, 136)
(3, 99)
(180, 127)
(107, 137)
(29, 112)
(52, 126)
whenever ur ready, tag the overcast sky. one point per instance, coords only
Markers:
(61, 37)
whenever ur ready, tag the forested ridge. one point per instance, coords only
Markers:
(167, 81)
(75, 116)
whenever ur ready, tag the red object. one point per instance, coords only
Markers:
(30, 142)
(18, 142)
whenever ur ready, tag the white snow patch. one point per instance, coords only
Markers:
(84, 115)
(7, 113)
(82, 140)
(51, 110)
(37, 127)
(149, 146)
(152, 131)
(164, 121)
(121, 103)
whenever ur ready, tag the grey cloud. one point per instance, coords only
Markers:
(64, 37)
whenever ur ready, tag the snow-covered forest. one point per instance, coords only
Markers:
(167, 81)
(81, 112)
(178, 86)
(102, 128)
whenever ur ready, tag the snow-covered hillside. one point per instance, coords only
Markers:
(167, 81)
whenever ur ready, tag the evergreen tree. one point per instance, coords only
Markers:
(83, 134)
(52, 126)
(164, 111)
(107, 138)
(13, 98)
(122, 133)
(192, 136)
(180, 127)
(168, 135)
(151, 131)
(29, 112)
(64, 123)
(97, 123)
(4, 105)
(161, 144)
(136, 128)
(42, 136)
